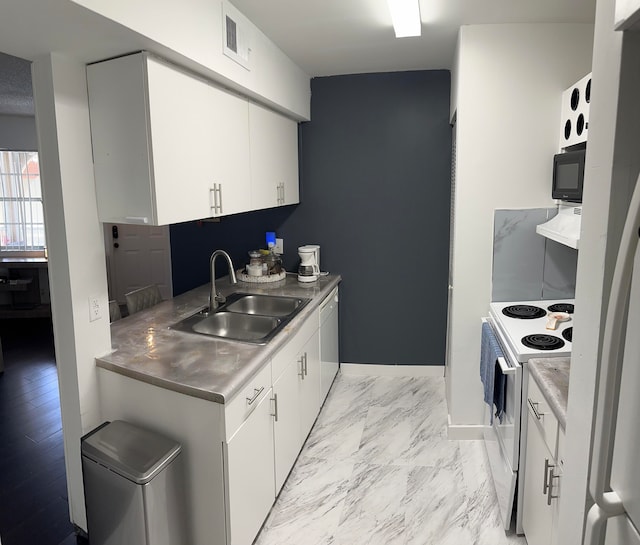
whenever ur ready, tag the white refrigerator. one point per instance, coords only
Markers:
(614, 482)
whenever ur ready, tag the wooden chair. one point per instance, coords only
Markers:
(142, 298)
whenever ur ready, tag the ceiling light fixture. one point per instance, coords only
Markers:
(405, 15)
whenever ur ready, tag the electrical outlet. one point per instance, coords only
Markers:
(279, 247)
(95, 311)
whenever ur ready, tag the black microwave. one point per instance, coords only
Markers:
(568, 175)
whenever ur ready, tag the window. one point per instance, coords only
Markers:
(21, 211)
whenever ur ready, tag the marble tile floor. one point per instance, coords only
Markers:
(378, 469)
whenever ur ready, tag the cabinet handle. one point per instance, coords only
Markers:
(306, 371)
(213, 199)
(301, 361)
(216, 191)
(275, 406)
(280, 193)
(256, 394)
(550, 495)
(548, 469)
(137, 219)
(534, 408)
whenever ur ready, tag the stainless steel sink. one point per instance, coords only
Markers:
(244, 317)
(265, 305)
(242, 327)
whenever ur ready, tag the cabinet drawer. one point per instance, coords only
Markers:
(246, 400)
(290, 350)
(546, 421)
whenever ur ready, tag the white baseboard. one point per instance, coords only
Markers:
(469, 432)
(373, 369)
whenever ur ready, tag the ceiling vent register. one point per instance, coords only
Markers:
(235, 35)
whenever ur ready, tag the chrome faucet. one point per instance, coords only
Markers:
(215, 298)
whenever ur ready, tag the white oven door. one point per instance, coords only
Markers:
(504, 476)
(502, 439)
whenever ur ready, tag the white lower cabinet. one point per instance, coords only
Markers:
(542, 472)
(249, 461)
(237, 454)
(297, 398)
(309, 385)
(286, 425)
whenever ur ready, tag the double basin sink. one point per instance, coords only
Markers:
(244, 317)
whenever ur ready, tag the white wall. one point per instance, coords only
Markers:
(193, 29)
(18, 133)
(508, 81)
(76, 252)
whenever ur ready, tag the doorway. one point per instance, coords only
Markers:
(137, 255)
(33, 484)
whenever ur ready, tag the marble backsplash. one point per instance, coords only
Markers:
(528, 266)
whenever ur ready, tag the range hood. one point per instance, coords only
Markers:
(564, 227)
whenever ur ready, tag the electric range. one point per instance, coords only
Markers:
(522, 326)
(521, 329)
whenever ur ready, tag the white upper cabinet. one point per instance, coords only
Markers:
(148, 141)
(274, 158)
(168, 147)
(627, 14)
(228, 159)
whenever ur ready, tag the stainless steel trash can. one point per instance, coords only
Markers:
(134, 486)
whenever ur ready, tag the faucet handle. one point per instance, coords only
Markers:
(216, 301)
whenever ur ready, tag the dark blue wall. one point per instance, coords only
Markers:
(375, 194)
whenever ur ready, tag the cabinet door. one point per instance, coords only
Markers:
(182, 138)
(227, 159)
(309, 386)
(557, 487)
(163, 140)
(118, 111)
(286, 426)
(250, 480)
(274, 158)
(537, 516)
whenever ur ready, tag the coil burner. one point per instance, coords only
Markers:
(543, 342)
(562, 307)
(524, 312)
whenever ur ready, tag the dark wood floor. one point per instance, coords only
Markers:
(33, 494)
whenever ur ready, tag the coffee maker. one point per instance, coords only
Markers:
(309, 269)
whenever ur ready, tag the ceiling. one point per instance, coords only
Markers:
(330, 37)
(323, 37)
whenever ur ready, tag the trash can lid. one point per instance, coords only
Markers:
(135, 453)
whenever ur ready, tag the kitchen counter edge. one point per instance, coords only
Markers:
(552, 376)
(145, 349)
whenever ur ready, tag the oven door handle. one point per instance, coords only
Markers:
(506, 370)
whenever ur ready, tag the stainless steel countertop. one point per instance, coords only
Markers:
(196, 365)
(552, 376)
